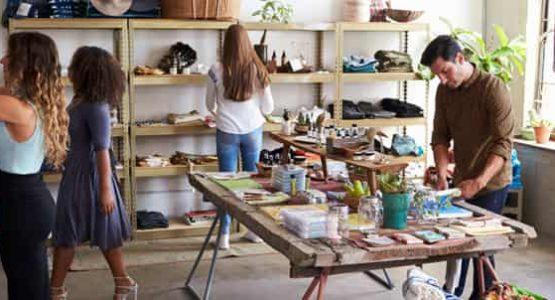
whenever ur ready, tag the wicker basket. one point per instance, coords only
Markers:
(201, 9)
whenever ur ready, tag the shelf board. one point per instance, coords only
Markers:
(71, 23)
(117, 130)
(176, 229)
(162, 130)
(169, 79)
(383, 26)
(174, 170)
(302, 77)
(369, 77)
(174, 24)
(55, 177)
(290, 26)
(201, 79)
(382, 122)
(410, 159)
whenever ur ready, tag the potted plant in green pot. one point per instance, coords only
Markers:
(395, 200)
(542, 127)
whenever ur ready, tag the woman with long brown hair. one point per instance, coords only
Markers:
(238, 95)
(90, 207)
(33, 128)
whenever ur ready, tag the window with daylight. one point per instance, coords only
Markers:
(545, 90)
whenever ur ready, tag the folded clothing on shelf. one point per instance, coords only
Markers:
(373, 111)
(350, 111)
(151, 220)
(153, 161)
(393, 61)
(402, 109)
(199, 217)
(359, 64)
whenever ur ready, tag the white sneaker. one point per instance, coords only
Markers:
(224, 242)
(251, 236)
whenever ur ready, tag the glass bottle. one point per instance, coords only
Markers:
(370, 214)
(342, 211)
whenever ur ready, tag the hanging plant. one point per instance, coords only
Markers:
(274, 11)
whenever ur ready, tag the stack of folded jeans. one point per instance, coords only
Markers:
(373, 111)
(358, 64)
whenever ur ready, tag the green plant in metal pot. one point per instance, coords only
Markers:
(395, 199)
(274, 11)
(501, 60)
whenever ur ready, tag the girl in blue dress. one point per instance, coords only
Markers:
(90, 207)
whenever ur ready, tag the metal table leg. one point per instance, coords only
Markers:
(387, 283)
(319, 281)
(208, 288)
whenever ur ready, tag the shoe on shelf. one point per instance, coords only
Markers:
(126, 288)
(58, 293)
(251, 236)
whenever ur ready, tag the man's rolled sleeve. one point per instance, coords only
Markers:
(440, 134)
(501, 121)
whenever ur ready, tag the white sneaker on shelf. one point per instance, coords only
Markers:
(251, 236)
(224, 242)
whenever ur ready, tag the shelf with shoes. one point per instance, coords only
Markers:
(168, 129)
(370, 77)
(382, 122)
(176, 229)
(199, 79)
(174, 170)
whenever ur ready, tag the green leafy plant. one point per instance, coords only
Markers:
(302, 119)
(392, 184)
(502, 60)
(424, 73)
(274, 11)
(536, 121)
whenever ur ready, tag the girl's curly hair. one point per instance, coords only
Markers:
(33, 74)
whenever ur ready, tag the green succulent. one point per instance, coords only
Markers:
(392, 184)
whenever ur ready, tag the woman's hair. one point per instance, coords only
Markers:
(96, 76)
(243, 72)
(33, 74)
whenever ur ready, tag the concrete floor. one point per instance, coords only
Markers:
(266, 277)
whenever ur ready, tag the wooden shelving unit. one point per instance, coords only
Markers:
(128, 133)
(177, 229)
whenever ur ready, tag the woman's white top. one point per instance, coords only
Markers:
(236, 117)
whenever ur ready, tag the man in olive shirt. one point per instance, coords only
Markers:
(473, 110)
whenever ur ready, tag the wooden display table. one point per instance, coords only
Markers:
(372, 169)
(320, 258)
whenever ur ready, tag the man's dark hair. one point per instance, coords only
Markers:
(442, 46)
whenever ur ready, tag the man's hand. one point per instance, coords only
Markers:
(107, 202)
(469, 188)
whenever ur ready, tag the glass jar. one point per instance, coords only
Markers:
(370, 214)
(425, 205)
(342, 212)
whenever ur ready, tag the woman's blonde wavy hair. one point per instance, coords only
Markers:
(33, 74)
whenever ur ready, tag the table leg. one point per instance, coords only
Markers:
(372, 181)
(320, 281)
(490, 268)
(209, 281)
(481, 280)
(324, 166)
(285, 154)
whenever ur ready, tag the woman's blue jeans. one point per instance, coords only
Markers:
(229, 146)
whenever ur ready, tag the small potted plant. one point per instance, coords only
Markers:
(395, 200)
(542, 127)
(303, 123)
(274, 11)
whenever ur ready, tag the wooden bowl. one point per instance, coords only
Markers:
(403, 16)
(301, 128)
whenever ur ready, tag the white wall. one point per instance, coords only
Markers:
(174, 196)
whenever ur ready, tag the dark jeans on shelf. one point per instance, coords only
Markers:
(26, 219)
(494, 202)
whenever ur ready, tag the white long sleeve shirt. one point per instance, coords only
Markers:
(236, 117)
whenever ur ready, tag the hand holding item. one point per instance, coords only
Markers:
(469, 188)
(107, 202)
